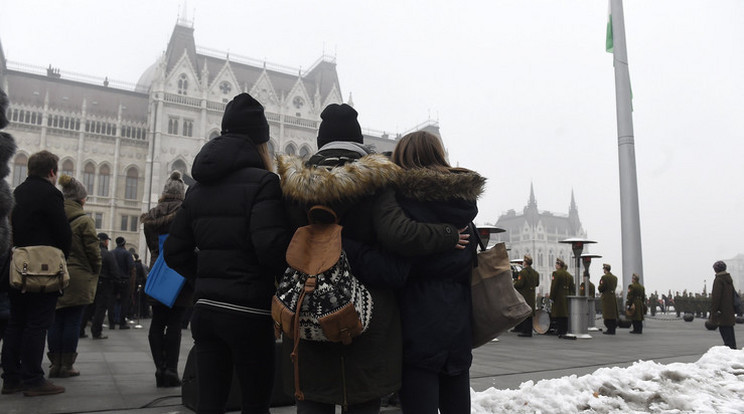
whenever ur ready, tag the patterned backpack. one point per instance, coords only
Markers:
(318, 299)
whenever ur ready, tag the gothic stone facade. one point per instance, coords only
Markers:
(123, 140)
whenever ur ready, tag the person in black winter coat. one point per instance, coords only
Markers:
(230, 236)
(436, 304)
(358, 185)
(105, 291)
(38, 219)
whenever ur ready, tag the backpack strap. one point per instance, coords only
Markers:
(310, 284)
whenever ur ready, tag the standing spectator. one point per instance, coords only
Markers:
(105, 290)
(636, 302)
(123, 285)
(722, 305)
(7, 149)
(435, 304)
(84, 264)
(38, 220)
(359, 185)
(165, 327)
(230, 236)
(525, 284)
(607, 286)
(142, 309)
(561, 286)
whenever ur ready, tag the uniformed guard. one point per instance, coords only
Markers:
(525, 284)
(607, 286)
(561, 287)
(635, 303)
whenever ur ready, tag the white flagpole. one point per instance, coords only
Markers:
(629, 213)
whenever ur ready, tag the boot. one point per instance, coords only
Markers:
(171, 379)
(55, 359)
(66, 369)
(45, 388)
(160, 377)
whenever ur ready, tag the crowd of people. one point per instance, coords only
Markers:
(407, 225)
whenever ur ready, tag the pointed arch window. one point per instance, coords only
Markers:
(183, 84)
(89, 176)
(213, 135)
(130, 186)
(272, 150)
(305, 152)
(104, 180)
(68, 168)
(20, 169)
(180, 166)
(290, 150)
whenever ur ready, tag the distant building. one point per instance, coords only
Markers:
(538, 233)
(122, 140)
(735, 266)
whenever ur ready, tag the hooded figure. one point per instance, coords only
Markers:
(229, 237)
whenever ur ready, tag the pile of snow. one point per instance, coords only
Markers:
(713, 384)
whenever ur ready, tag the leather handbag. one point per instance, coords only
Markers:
(163, 283)
(497, 306)
(38, 269)
(630, 310)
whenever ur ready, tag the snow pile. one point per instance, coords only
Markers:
(713, 384)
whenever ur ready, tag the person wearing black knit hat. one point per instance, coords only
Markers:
(235, 214)
(123, 285)
(722, 313)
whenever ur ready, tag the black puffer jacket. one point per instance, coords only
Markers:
(435, 305)
(231, 233)
(39, 216)
(360, 187)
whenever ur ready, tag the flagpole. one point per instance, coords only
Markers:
(629, 213)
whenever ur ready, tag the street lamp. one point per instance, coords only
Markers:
(577, 304)
(587, 259)
(485, 232)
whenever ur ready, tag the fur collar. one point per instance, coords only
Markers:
(425, 184)
(349, 182)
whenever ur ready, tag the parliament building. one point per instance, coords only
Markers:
(122, 140)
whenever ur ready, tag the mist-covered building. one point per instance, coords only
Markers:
(121, 140)
(538, 233)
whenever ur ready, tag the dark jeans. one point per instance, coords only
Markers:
(424, 391)
(227, 342)
(727, 334)
(165, 335)
(31, 314)
(122, 290)
(101, 303)
(64, 333)
(312, 407)
(611, 325)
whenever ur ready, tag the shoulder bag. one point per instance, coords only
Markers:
(163, 283)
(497, 306)
(38, 269)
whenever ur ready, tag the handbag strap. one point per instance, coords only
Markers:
(475, 232)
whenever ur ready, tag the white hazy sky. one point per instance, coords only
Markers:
(523, 91)
(709, 386)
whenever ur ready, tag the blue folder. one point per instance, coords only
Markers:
(163, 283)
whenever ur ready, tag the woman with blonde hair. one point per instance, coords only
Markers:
(435, 304)
(229, 237)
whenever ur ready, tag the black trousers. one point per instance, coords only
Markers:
(122, 290)
(638, 326)
(228, 342)
(525, 326)
(611, 325)
(312, 407)
(727, 333)
(100, 304)
(165, 335)
(31, 314)
(561, 325)
(423, 392)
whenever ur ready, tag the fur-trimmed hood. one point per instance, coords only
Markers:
(426, 184)
(345, 183)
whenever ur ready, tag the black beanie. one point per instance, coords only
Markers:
(245, 115)
(339, 123)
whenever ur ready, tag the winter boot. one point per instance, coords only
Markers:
(66, 369)
(45, 388)
(55, 359)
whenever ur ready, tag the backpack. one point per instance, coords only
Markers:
(318, 298)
